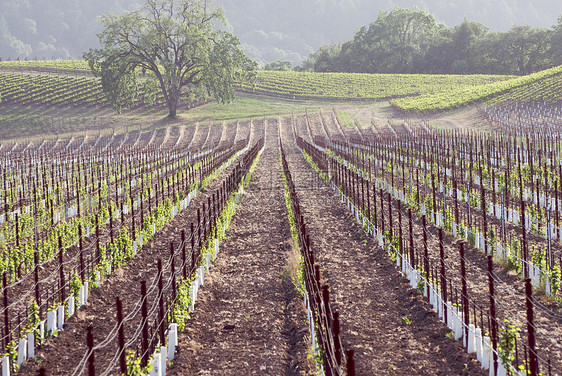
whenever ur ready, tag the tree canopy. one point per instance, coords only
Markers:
(172, 46)
(412, 41)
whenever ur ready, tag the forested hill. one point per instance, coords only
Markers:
(269, 29)
(411, 40)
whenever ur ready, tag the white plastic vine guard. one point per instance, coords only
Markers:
(5, 366)
(486, 352)
(163, 359)
(536, 275)
(81, 299)
(60, 316)
(471, 340)
(51, 322)
(458, 323)
(501, 369)
(449, 315)
(22, 351)
(42, 329)
(478, 343)
(71, 306)
(172, 341)
(201, 275)
(30, 345)
(156, 365)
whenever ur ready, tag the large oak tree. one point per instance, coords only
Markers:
(175, 47)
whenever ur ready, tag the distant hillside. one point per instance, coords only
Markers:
(270, 30)
(63, 83)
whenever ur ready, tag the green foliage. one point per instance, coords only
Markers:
(421, 282)
(538, 256)
(179, 313)
(175, 44)
(12, 352)
(118, 78)
(428, 202)
(75, 284)
(471, 238)
(134, 367)
(321, 173)
(555, 279)
(491, 239)
(512, 262)
(467, 95)
(92, 280)
(33, 320)
(412, 41)
(299, 85)
(461, 230)
(507, 338)
(279, 65)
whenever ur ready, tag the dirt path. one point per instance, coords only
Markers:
(388, 324)
(248, 319)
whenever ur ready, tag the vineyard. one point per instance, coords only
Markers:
(49, 66)
(296, 244)
(357, 86)
(46, 82)
(544, 85)
(34, 89)
(51, 90)
(156, 251)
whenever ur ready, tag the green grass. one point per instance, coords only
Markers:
(252, 106)
(18, 121)
(23, 122)
(348, 119)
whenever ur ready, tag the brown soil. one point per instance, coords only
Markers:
(248, 318)
(509, 288)
(60, 355)
(372, 297)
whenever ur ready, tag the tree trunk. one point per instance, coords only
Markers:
(172, 107)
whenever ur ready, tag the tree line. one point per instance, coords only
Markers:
(412, 41)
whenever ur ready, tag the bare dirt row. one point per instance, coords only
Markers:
(391, 328)
(248, 320)
(509, 287)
